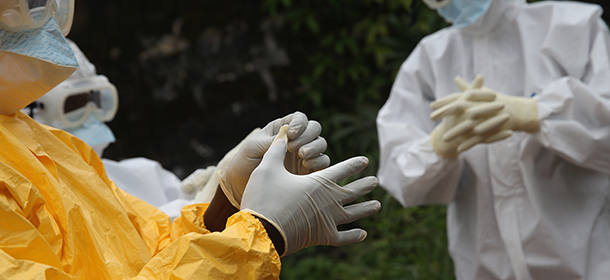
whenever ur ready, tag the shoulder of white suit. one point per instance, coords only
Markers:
(566, 12)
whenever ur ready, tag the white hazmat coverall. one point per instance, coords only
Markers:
(532, 206)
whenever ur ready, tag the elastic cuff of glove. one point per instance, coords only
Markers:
(226, 189)
(279, 229)
(530, 116)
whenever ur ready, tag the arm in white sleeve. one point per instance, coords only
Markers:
(410, 169)
(574, 114)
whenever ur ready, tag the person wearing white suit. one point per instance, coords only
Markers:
(535, 205)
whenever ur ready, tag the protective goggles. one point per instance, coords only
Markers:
(437, 4)
(72, 102)
(24, 15)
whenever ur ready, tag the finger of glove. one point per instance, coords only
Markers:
(317, 163)
(348, 237)
(359, 188)
(344, 169)
(297, 125)
(499, 136)
(483, 109)
(478, 82)
(313, 148)
(479, 95)
(444, 100)
(297, 122)
(462, 84)
(461, 128)
(358, 211)
(308, 136)
(274, 157)
(491, 124)
(450, 109)
(468, 143)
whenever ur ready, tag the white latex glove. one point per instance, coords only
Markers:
(197, 180)
(306, 209)
(449, 138)
(305, 147)
(516, 114)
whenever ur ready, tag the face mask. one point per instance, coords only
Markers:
(464, 12)
(31, 64)
(95, 133)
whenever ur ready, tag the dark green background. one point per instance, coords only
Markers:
(194, 77)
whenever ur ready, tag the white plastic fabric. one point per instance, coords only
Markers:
(145, 179)
(532, 206)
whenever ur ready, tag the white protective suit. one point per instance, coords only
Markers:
(532, 206)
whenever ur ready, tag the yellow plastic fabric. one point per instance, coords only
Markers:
(62, 218)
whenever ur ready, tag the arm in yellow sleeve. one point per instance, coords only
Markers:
(242, 251)
(62, 218)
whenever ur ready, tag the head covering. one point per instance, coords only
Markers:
(96, 103)
(32, 63)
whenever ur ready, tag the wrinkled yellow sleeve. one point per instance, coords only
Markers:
(62, 218)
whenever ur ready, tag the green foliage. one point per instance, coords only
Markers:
(348, 53)
(402, 243)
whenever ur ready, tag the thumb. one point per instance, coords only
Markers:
(462, 84)
(478, 82)
(276, 154)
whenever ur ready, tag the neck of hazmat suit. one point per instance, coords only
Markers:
(534, 205)
(62, 218)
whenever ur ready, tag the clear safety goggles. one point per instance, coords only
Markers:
(72, 102)
(437, 4)
(24, 15)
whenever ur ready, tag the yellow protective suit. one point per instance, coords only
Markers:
(62, 218)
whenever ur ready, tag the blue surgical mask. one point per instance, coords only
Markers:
(94, 132)
(31, 64)
(463, 13)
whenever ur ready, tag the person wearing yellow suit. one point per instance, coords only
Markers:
(62, 218)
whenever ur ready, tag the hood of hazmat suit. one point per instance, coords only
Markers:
(535, 205)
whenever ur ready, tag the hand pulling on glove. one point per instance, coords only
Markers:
(306, 209)
(305, 147)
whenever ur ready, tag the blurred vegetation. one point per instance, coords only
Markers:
(194, 77)
(351, 51)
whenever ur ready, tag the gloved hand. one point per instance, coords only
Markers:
(305, 147)
(195, 182)
(463, 112)
(516, 114)
(307, 209)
